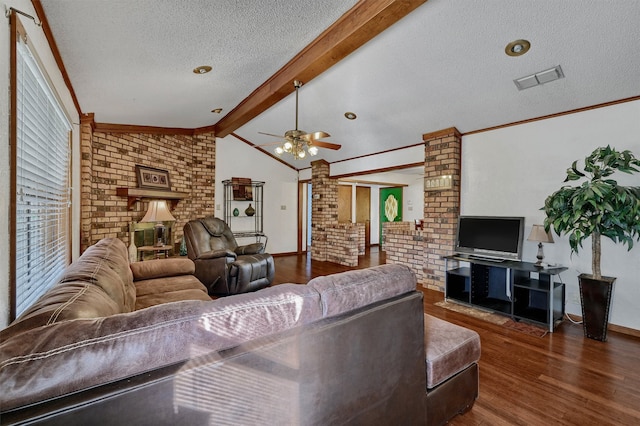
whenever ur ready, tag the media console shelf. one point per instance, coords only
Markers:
(521, 290)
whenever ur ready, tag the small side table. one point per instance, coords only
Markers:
(157, 249)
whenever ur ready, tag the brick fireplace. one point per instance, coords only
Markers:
(108, 162)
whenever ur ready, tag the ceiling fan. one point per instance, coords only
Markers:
(298, 142)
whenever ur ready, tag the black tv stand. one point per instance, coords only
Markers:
(485, 258)
(520, 290)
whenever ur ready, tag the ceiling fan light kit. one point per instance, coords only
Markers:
(298, 142)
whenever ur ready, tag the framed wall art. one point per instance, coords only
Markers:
(151, 178)
(242, 189)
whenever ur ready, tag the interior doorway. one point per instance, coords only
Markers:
(354, 206)
(363, 211)
(345, 203)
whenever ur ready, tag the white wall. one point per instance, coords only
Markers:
(393, 158)
(237, 159)
(38, 40)
(510, 172)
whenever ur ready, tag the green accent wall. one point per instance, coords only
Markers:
(390, 207)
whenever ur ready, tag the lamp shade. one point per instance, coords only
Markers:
(158, 212)
(540, 235)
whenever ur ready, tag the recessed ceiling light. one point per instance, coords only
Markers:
(350, 115)
(517, 48)
(216, 111)
(202, 69)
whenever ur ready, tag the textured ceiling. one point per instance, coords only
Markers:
(131, 62)
(442, 65)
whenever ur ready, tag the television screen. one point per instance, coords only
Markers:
(492, 237)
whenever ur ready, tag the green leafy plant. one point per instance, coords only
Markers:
(598, 206)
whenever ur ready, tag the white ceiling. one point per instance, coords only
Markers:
(443, 65)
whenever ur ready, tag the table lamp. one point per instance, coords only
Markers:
(541, 236)
(158, 212)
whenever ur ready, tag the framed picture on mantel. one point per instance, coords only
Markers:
(151, 178)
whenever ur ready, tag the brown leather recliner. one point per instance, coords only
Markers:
(223, 266)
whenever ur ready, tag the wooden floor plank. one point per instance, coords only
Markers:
(562, 378)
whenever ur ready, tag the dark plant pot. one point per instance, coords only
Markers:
(595, 296)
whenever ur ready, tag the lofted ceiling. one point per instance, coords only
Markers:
(441, 65)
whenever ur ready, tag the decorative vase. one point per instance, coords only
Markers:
(250, 211)
(236, 212)
(183, 247)
(133, 250)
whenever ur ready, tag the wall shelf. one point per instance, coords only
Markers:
(138, 194)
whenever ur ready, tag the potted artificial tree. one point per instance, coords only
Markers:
(597, 207)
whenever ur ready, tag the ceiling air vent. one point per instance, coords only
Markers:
(541, 77)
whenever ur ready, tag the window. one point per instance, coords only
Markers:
(41, 158)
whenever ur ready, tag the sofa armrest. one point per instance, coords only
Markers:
(254, 248)
(215, 254)
(159, 268)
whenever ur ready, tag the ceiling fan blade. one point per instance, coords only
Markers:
(271, 134)
(328, 145)
(315, 135)
(271, 143)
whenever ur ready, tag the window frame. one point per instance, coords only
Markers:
(17, 33)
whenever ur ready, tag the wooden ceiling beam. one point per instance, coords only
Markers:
(360, 24)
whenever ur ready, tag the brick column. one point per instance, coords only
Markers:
(86, 180)
(441, 207)
(203, 170)
(324, 208)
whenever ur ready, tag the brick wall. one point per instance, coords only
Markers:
(345, 241)
(108, 162)
(405, 246)
(442, 207)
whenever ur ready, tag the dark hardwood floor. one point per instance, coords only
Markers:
(560, 379)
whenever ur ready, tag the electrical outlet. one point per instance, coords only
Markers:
(217, 206)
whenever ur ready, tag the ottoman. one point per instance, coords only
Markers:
(452, 354)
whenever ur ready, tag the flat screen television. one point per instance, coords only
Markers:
(491, 237)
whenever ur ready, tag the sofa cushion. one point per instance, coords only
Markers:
(170, 296)
(67, 356)
(64, 302)
(171, 289)
(163, 285)
(98, 284)
(350, 290)
(450, 349)
(158, 268)
(106, 265)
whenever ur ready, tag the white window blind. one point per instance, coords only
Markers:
(42, 183)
